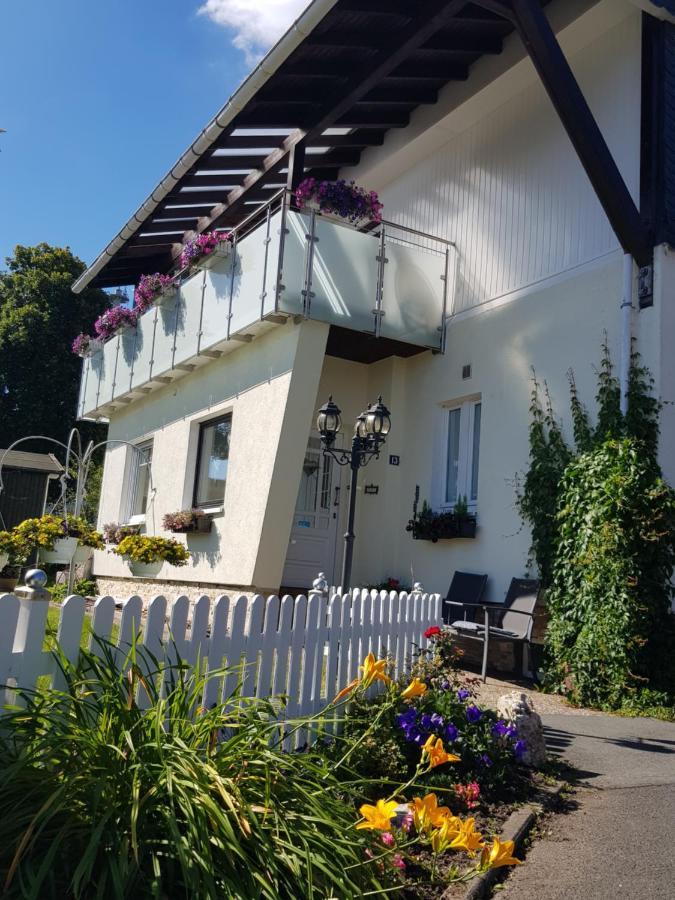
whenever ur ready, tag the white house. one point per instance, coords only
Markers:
(517, 216)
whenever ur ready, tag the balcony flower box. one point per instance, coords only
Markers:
(188, 521)
(341, 200)
(153, 290)
(204, 251)
(85, 346)
(115, 321)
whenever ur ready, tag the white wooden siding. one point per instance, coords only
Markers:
(510, 190)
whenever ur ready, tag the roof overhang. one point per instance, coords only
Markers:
(344, 74)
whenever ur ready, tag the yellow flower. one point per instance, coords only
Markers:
(436, 752)
(416, 688)
(468, 838)
(378, 817)
(443, 836)
(499, 854)
(373, 670)
(427, 813)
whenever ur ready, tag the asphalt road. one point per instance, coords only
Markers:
(618, 840)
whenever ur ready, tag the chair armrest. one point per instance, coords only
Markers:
(476, 605)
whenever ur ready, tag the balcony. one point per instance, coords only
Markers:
(387, 289)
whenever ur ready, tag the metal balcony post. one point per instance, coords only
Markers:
(311, 238)
(232, 276)
(382, 260)
(263, 292)
(201, 312)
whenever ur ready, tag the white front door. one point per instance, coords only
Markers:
(313, 536)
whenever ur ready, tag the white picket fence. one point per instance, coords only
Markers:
(304, 649)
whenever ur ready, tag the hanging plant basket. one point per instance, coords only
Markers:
(62, 553)
(145, 570)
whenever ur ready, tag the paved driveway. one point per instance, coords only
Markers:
(618, 842)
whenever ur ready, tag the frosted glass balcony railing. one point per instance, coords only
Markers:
(389, 282)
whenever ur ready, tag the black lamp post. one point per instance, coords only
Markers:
(370, 432)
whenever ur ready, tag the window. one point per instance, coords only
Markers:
(212, 457)
(462, 453)
(139, 482)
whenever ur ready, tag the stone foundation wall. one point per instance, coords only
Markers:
(121, 588)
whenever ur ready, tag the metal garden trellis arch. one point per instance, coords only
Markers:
(78, 458)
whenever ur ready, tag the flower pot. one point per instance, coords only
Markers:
(222, 251)
(4, 559)
(145, 570)
(64, 549)
(7, 585)
(334, 217)
(83, 555)
(467, 527)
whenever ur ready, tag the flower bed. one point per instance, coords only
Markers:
(340, 198)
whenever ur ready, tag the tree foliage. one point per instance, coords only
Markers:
(39, 318)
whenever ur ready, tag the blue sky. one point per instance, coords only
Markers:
(100, 97)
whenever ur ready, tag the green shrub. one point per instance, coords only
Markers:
(85, 587)
(111, 800)
(610, 595)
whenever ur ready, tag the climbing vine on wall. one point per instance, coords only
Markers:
(603, 540)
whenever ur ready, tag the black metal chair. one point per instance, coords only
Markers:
(466, 589)
(513, 620)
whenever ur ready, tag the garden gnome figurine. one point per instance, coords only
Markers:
(517, 708)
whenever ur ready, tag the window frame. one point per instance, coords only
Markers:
(212, 506)
(466, 460)
(132, 482)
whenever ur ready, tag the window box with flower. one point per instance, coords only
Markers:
(85, 346)
(188, 521)
(427, 525)
(115, 321)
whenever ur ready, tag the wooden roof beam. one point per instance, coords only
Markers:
(437, 13)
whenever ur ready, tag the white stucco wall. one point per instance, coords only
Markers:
(269, 387)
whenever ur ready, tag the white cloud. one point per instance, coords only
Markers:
(256, 24)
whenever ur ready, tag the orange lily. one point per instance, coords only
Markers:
(373, 670)
(499, 854)
(346, 690)
(436, 752)
(443, 837)
(378, 817)
(416, 688)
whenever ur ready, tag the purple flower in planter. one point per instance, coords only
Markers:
(462, 695)
(473, 714)
(520, 748)
(112, 319)
(451, 732)
(202, 245)
(485, 760)
(148, 287)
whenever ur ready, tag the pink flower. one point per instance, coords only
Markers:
(397, 861)
(388, 839)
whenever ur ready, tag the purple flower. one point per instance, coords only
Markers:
(462, 695)
(473, 714)
(426, 722)
(500, 728)
(520, 749)
(437, 720)
(451, 732)
(485, 760)
(202, 245)
(346, 200)
(445, 686)
(406, 719)
(420, 738)
(113, 319)
(148, 287)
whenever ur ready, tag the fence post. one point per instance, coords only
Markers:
(417, 590)
(319, 587)
(30, 627)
